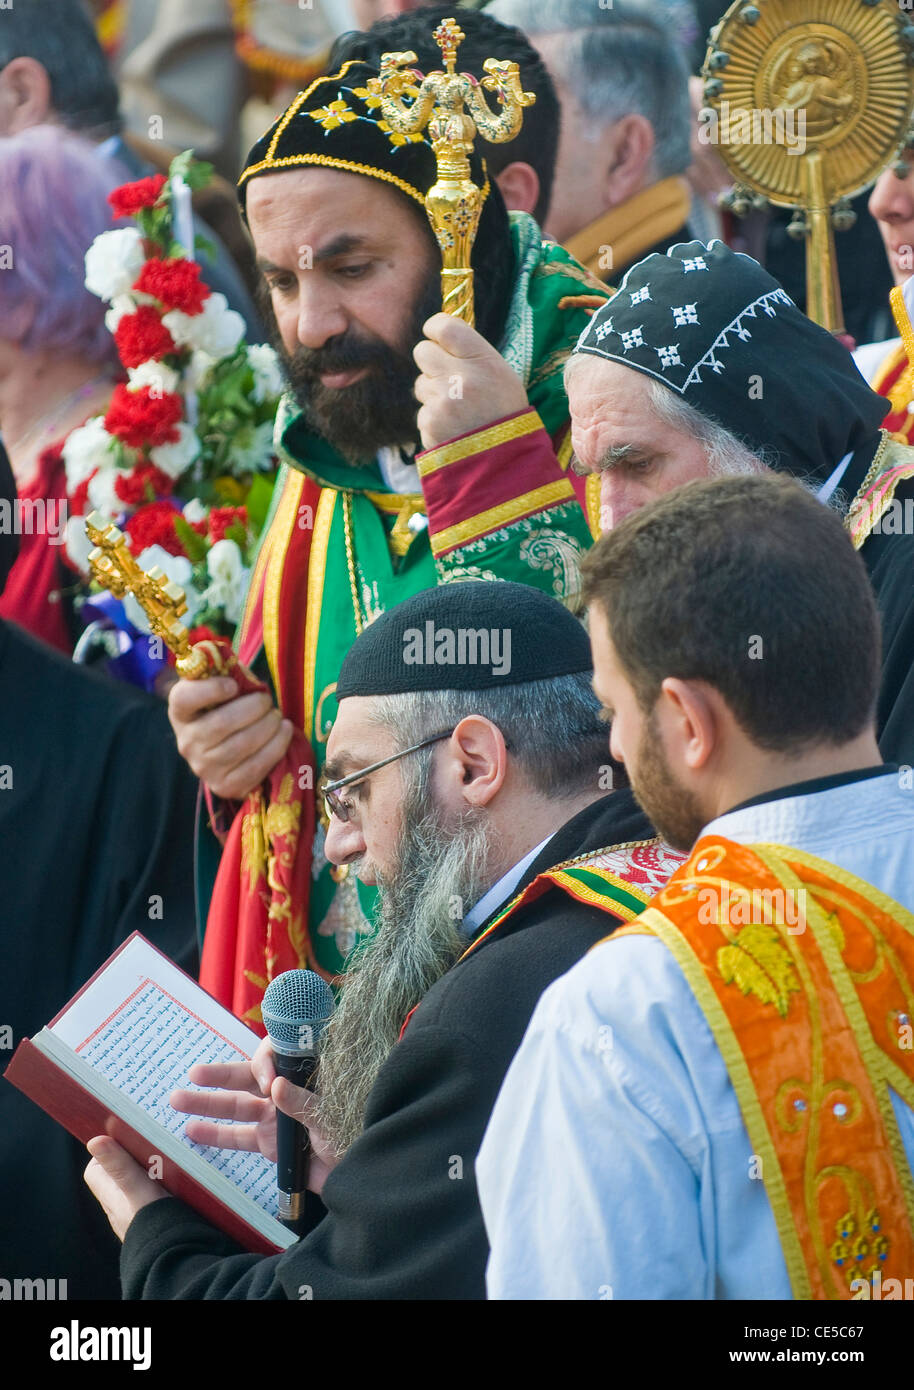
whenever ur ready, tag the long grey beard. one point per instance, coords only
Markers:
(441, 872)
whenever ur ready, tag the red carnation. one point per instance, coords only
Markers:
(221, 518)
(130, 198)
(133, 488)
(139, 417)
(175, 283)
(154, 524)
(79, 497)
(142, 336)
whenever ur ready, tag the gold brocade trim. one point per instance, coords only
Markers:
(590, 895)
(551, 365)
(404, 506)
(392, 502)
(502, 515)
(565, 451)
(630, 229)
(528, 422)
(349, 165)
(882, 463)
(750, 1105)
(317, 570)
(284, 523)
(900, 394)
(774, 858)
(888, 364)
(350, 563)
(579, 859)
(593, 504)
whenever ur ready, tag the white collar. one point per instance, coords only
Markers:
(500, 892)
(828, 487)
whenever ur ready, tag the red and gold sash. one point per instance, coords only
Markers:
(805, 975)
(257, 924)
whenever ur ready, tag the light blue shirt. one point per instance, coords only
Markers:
(616, 1163)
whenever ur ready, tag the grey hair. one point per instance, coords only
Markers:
(727, 454)
(614, 62)
(552, 728)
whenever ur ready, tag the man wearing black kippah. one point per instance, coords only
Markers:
(391, 482)
(468, 767)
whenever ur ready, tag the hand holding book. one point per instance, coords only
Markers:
(248, 1096)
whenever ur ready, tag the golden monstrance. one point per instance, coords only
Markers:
(810, 100)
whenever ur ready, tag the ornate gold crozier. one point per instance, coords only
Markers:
(812, 98)
(453, 107)
(162, 600)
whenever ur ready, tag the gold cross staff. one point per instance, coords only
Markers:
(454, 203)
(160, 598)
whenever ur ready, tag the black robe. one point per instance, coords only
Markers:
(402, 1213)
(96, 841)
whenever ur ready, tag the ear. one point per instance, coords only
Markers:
(26, 89)
(474, 764)
(520, 186)
(632, 151)
(690, 721)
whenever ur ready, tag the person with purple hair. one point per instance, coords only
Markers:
(58, 362)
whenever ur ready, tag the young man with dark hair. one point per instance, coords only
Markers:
(719, 1100)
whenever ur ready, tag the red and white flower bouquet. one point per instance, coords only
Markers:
(183, 459)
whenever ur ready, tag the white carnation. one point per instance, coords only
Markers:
(174, 459)
(86, 449)
(122, 304)
(158, 376)
(102, 496)
(113, 262)
(269, 381)
(197, 369)
(195, 512)
(252, 449)
(228, 579)
(217, 330)
(77, 543)
(178, 569)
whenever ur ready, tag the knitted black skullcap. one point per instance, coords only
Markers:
(337, 123)
(714, 327)
(472, 635)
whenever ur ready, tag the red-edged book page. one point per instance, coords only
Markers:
(111, 1058)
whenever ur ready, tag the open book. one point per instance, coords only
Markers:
(111, 1058)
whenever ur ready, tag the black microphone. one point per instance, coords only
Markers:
(296, 1009)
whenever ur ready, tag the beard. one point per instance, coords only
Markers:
(670, 807)
(440, 871)
(376, 411)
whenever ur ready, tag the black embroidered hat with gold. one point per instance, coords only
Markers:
(337, 123)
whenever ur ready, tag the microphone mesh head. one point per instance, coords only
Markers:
(296, 1008)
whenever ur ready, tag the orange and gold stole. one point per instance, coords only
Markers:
(805, 975)
(895, 376)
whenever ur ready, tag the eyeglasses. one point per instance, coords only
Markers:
(335, 806)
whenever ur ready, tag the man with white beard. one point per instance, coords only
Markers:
(469, 782)
(701, 365)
